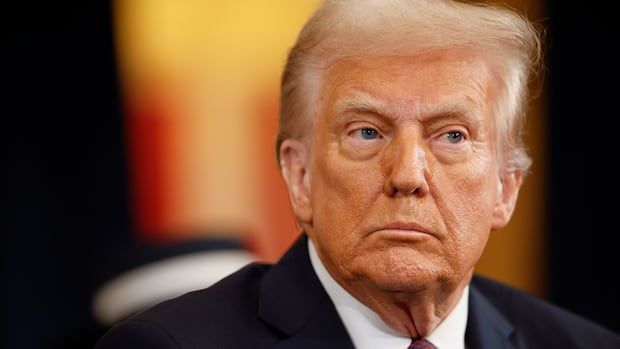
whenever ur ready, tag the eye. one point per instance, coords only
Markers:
(367, 133)
(453, 137)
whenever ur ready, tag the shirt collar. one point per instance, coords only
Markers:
(366, 328)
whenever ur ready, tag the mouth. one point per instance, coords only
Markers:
(403, 231)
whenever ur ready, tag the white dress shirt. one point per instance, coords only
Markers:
(368, 331)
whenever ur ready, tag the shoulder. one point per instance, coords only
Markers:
(541, 321)
(219, 316)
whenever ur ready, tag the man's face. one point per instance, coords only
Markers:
(402, 179)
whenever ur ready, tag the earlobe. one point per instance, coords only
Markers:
(509, 184)
(294, 160)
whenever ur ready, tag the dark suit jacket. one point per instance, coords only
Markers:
(285, 306)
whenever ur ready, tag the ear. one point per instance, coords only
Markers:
(294, 161)
(509, 184)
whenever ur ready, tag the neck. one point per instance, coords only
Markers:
(412, 314)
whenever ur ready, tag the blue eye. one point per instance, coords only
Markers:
(368, 133)
(454, 137)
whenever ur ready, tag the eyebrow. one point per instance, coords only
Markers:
(454, 110)
(366, 103)
(363, 103)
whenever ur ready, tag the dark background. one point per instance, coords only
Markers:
(65, 192)
(64, 175)
(583, 187)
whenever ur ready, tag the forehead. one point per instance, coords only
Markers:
(416, 85)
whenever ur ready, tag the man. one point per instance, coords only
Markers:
(400, 143)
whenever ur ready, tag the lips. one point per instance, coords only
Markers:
(404, 228)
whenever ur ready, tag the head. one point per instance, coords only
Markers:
(400, 136)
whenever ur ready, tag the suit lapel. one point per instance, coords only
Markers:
(487, 328)
(293, 301)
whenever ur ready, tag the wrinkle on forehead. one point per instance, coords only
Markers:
(354, 86)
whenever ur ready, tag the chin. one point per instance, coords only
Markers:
(404, 272)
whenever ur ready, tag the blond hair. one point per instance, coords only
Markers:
(366, 28)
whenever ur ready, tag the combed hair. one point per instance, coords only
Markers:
(342, 29)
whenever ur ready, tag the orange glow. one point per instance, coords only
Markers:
(200, 82)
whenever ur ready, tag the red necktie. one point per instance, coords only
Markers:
(421, 344)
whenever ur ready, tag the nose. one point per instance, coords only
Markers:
(407, 166)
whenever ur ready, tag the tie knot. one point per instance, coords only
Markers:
(421, 344)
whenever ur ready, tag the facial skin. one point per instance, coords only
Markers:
(399, 184)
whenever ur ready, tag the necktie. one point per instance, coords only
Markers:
(421, 344)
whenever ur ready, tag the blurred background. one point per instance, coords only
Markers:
(138, 159)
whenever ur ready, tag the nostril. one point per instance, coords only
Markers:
(406, 185)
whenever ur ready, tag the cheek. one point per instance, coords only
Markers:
(343, 193)
(475, 197)
(466, 208)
